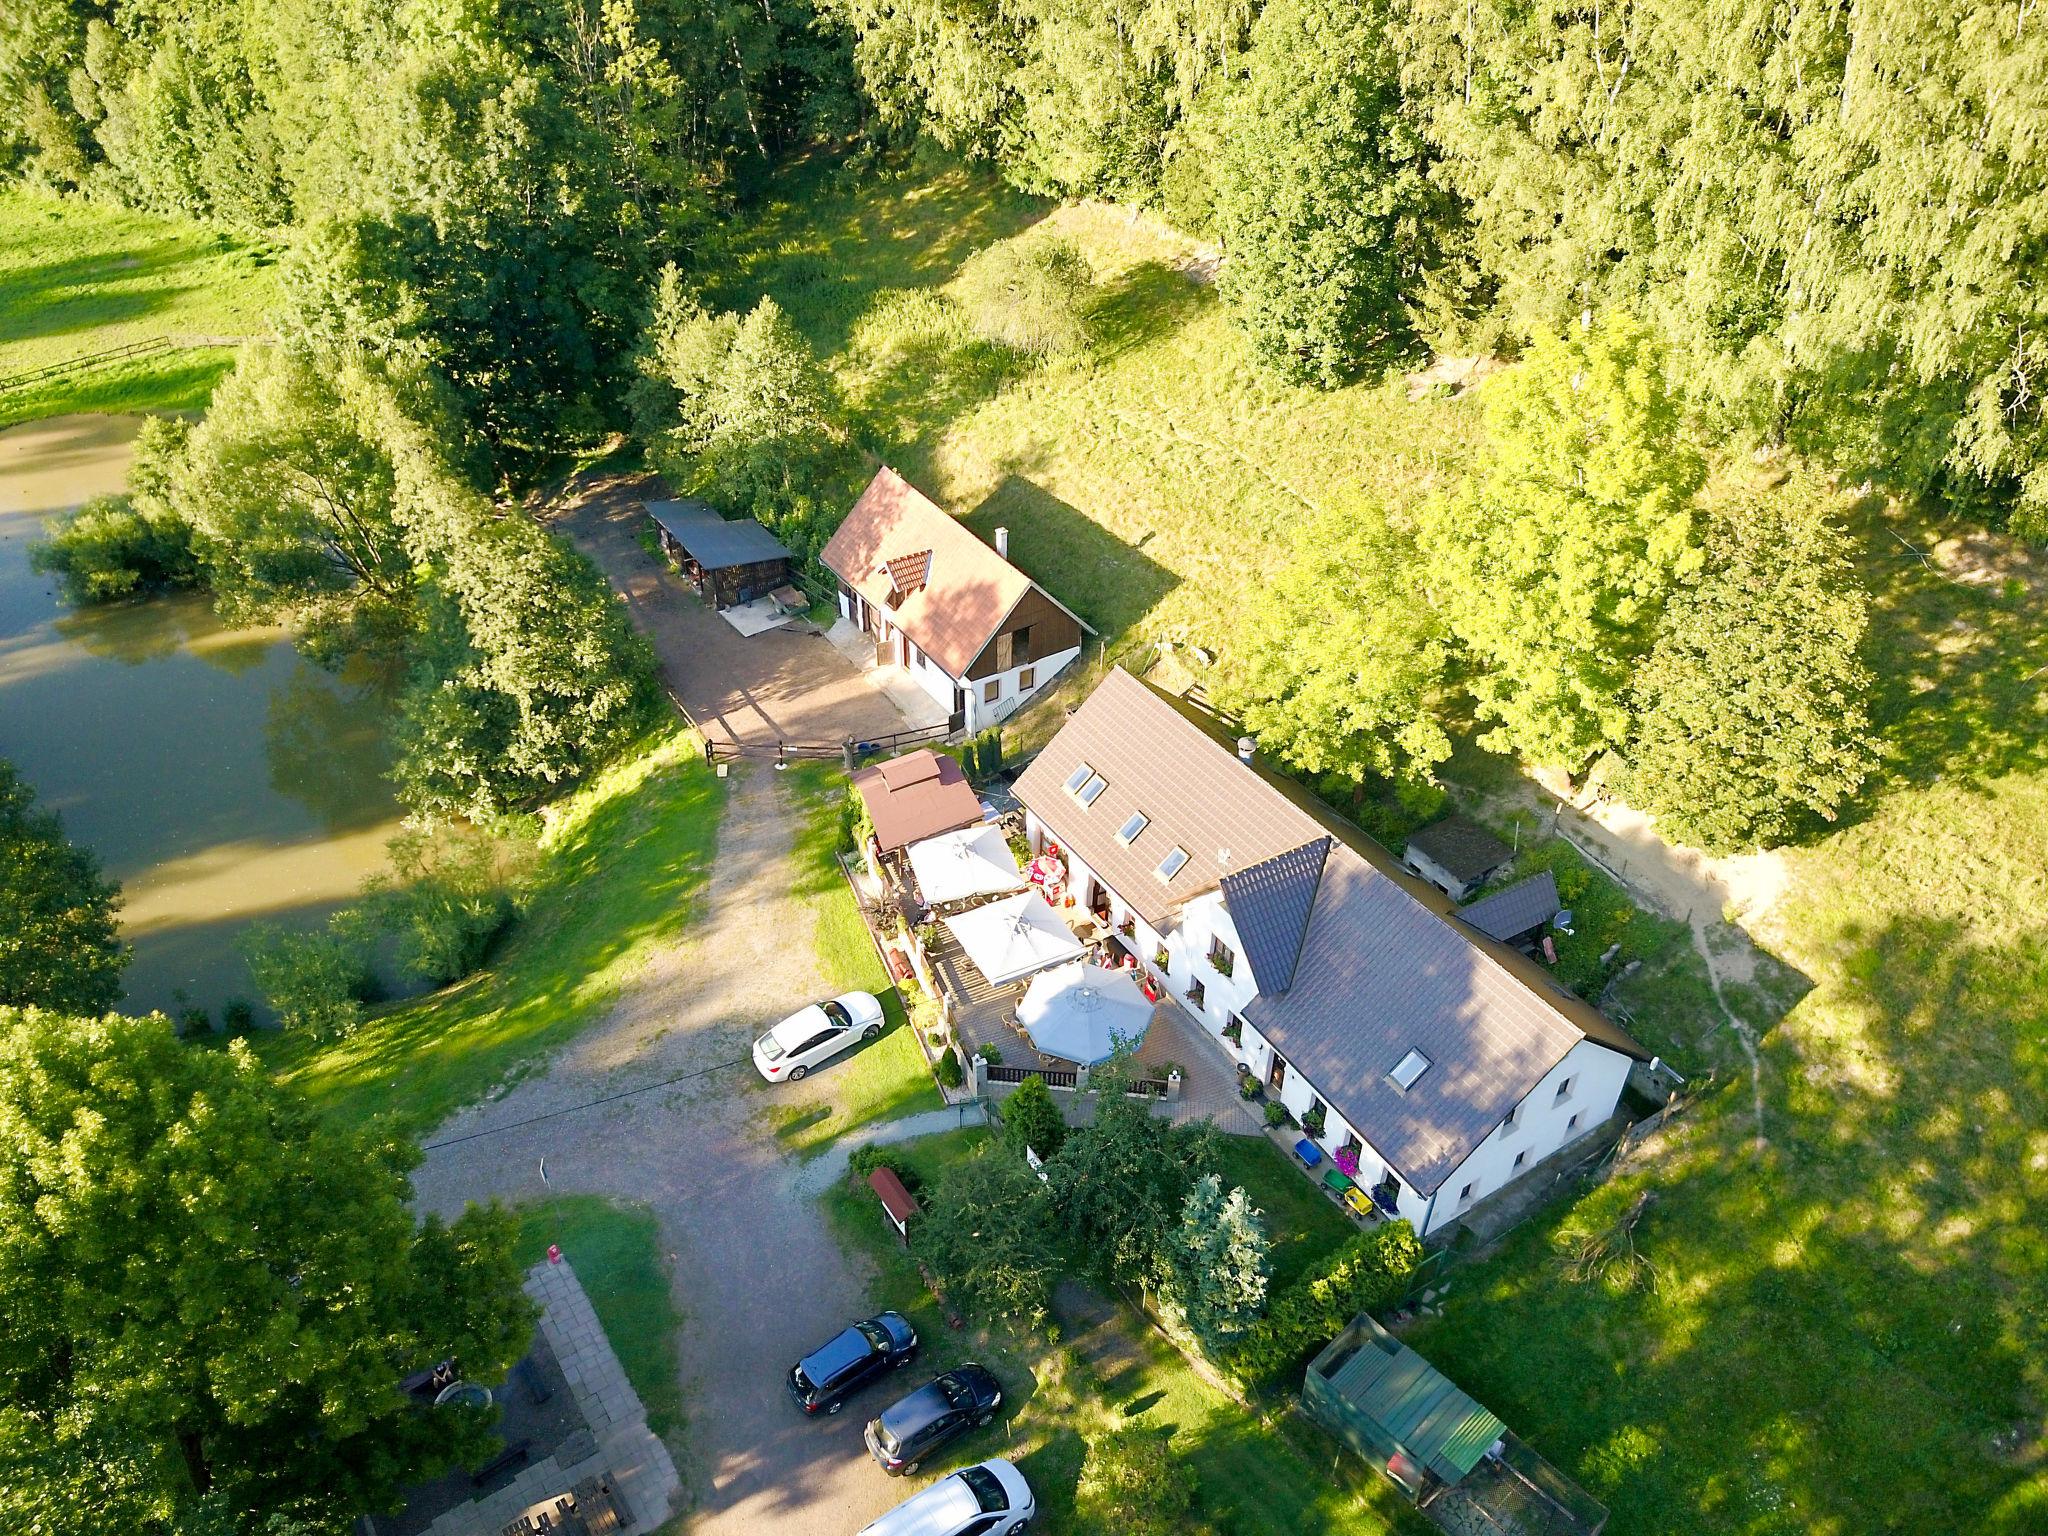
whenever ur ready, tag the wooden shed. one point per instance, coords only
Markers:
(727, 560)
(898, 1203)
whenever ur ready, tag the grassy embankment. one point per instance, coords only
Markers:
(1255, 1476)
(1848, 1331)
(623, 865)
(880, 1081)
(79, 278)
(616, 1252)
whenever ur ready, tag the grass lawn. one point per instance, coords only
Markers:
(616, 1252)
(624, 860)
(1850, 1332)
(1301, 1221)
(79, 277)
(880, 1081)
(1273, 1476)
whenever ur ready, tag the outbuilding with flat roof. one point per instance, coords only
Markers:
(918, 795)
(728, 560)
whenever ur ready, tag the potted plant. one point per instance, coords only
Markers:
(1247, 1086)
(1314, 1121)
(991, 1053)
(1276, 1114)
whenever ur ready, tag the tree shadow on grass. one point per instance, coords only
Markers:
(1141, 305)
(1846, 1329)
(1111, 584)
(1959, 667)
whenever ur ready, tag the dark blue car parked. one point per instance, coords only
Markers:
(823, 1380)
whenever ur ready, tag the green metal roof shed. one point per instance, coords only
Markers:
(1396, 1409)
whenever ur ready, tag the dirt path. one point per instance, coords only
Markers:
(1722, 900)
(755, 1273)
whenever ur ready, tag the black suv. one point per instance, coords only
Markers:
(821, 1381)
(944, 1409)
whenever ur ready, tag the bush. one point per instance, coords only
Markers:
(949, 1070)
(1031, 1119)
(317, 981)
(109, 549)
(1247, 1087)
(194, 1022)
(1030, 296)
(237, 1017)
(1315, 1122)
(1276, 1114)
(446, 901)
(866, 1160)
(1372, 1270)
(1133, 1484)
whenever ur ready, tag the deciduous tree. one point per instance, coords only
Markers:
(1751, 709)
(1553, 562)
(209, 1296)
(1341, 664)
(1320, 173)
(60, 943)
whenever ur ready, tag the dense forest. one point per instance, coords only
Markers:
(1832, 213)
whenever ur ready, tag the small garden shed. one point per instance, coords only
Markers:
(728, 560)
(1397, 1410)
(1438, 1446)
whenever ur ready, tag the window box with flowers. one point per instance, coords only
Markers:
(1128, 928)
(1221, 958)
(1234, 1030)
(1197, 995)
(1162, 961)
(1346, 1159)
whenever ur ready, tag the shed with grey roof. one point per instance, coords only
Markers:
(1457, 855)
(1515, 914)
(728, 560)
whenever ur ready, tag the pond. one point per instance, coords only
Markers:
(219, 777)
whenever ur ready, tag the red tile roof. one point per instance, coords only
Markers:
(916, 796)
(967, 588)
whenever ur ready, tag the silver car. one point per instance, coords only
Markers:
(991, 1499)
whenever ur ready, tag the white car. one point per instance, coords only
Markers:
(815, 1035)
(991, 1499)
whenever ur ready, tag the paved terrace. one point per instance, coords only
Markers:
(1208, 1075)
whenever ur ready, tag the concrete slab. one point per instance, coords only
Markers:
(755, 618)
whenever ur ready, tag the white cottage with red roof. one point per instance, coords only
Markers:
(976, 633)
(1448, 1062)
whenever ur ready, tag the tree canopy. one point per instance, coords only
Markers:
(1751, 707)
(210, 1297)
(1552, 563)
(60, 941)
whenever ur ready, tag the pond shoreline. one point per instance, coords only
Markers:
(219, 776)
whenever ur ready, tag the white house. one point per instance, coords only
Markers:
(976, 633)
(1447, 1061)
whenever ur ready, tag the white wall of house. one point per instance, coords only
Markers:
(1010, 690)
(1574, 1097)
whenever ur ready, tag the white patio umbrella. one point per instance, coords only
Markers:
(1008, 940)
(1082, 1012)
(973, 861)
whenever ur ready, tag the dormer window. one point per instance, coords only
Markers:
(1090, 792)
(1174, 862)
(1408, 1070)
(1078, 777)
(1127, 834)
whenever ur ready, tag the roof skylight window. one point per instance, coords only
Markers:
(1078, 777)
(1092, 790)
(1127, 834)
(1408, 1070)
(1173, 863)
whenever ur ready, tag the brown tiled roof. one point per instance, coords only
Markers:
(1197, 797)
(967, 588)
(916, 796)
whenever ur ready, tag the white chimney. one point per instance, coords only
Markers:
(1003, 542)
(1245, 747)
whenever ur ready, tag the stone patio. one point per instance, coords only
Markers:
(608, 1455)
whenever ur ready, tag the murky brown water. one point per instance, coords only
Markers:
(219, 777)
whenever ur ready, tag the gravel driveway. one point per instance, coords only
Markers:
(756, 1274)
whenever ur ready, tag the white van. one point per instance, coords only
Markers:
(991, 1499)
